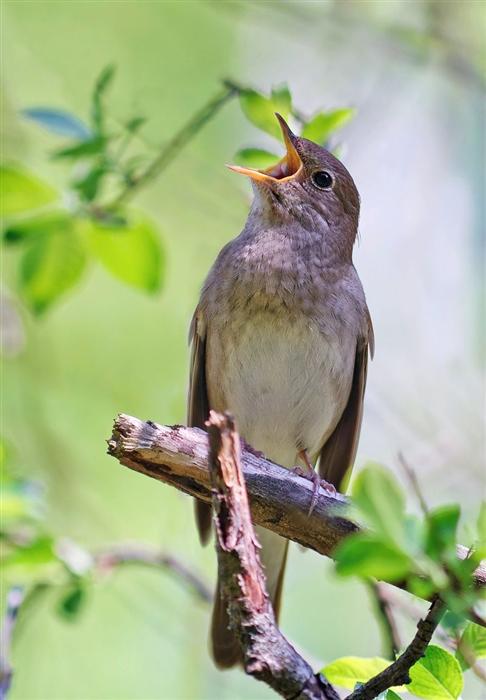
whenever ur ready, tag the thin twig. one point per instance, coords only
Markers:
(398, 672)
(266, 653)
(134, 553)
(387, 618)
(172, 148)
(412, 478)
(405, 603)
(15, 596)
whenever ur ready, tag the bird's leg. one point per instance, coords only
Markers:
(311, 474)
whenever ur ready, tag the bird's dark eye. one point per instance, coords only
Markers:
(322, 179)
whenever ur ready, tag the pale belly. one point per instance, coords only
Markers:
(285, 383)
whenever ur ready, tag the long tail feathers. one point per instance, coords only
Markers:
(203, 515)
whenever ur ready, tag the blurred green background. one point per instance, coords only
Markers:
(414, 73)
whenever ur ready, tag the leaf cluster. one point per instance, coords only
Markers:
(419, 552)
(59, 233)
(436, 676)
(30, 556)
(260, 111)
(396, 546)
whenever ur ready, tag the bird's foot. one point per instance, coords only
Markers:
(330, 488)
(317, 482)
(299, 471)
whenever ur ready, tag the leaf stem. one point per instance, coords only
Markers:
(172, 148)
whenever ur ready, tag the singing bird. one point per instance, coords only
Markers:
(281, 336)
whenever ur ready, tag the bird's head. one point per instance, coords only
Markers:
(308, 184)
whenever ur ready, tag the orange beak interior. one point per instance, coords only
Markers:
(286, 169)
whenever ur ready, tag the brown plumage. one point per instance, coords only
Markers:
(281, 336)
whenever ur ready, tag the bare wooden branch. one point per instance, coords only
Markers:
(398, 672)
(266, 653)
(279, 501)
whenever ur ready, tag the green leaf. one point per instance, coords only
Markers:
(391, 695)
(132, 253)
(21, 191)
(102, 83)
(441, 530)
(88, 186)
(135, 124)
(452, 623)
(72, 602)
(322, 125)
(282, 100)
(37, 553)
(58, 122)
(380, 500)
(16, 505)
(367, 555)
(255, 158)
(104, 79)
(420, 587)
(414, 533)
(437, 676)
(260, 110)
(27, 229)
(83, 149)
(472, 645)
(349, 670)
(52, 264)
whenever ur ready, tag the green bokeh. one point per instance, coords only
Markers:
(108, 348)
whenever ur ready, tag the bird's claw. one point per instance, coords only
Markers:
(330, 488)
(317, 483)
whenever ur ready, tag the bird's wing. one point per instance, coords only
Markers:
(198, 406)
(337, 454)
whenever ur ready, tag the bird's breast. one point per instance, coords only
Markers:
(286, 382)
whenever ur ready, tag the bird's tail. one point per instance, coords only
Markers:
(273, 555)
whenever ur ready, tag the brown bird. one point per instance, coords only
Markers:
(281, 336)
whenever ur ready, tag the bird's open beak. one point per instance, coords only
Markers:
(286, 169)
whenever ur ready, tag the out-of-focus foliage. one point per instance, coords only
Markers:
(422, 552)
(414, 73)
(22, 191)
(260, 110)
(59, 232)
(30, 554)
(403, 547)
(471, 645)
